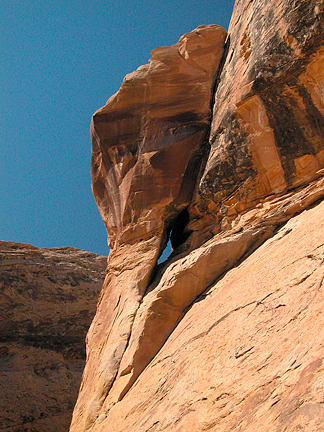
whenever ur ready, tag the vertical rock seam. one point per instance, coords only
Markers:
(268, 125)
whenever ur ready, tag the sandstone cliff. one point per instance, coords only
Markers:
(218, 144)
(48, 299)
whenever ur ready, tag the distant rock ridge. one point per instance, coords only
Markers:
(217, 143)
(47, 300)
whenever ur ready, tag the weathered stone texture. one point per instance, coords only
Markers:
(190, 345)
(47, 301)
(268, 126)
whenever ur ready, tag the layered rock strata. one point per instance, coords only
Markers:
(257, 164)
(47, 301)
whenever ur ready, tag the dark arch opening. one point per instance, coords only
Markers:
(179, 234)
(176, 235)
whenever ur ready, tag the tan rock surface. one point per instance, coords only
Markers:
(185, 277)
(262, 167)
(47, 301)
(248, 356)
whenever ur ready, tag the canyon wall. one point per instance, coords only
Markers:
(48, 299)
(217, 145)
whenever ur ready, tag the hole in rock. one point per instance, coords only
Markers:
(177, 235)
(166, 253)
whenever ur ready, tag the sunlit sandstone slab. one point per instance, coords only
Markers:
(248, 355)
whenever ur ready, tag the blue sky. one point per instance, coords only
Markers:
(60, 62)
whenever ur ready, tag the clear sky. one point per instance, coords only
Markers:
(60, 62)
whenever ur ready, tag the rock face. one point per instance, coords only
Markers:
(48, 299)
(161, 111)
(227, 189)
(141, 186)
(267, 128)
